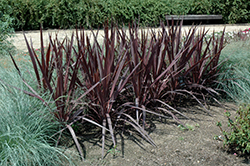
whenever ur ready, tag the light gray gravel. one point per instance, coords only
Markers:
(19, 42)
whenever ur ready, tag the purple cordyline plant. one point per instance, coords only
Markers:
(126, 76)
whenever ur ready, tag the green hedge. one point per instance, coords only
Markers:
(6, 31)
(28, 14)
(233, 11)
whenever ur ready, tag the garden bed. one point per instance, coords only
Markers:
(198, 144)
(174, 145)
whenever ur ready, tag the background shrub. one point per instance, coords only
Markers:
(5, 32)
(28, 14)
(207, 7)
(236, 11)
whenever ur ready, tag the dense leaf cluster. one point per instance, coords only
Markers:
(28, 14)
(125, 77)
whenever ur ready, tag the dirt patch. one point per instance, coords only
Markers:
(174, 145)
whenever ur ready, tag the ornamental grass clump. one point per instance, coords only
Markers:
(128, 75)
(238, 138)
(235, 80)
(26, 128)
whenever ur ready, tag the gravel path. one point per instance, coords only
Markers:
(19, 42)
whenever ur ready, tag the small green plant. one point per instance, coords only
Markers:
(113, 151)
(181, 138)
(239, 136)
(187, 127)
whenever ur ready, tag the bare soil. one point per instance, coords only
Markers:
(174, 145)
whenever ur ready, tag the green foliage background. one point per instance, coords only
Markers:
(28, 14)
(6, 31)
(233, 11)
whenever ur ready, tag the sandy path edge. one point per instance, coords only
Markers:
(19, 42)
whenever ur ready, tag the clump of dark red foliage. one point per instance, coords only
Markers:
(128, 75)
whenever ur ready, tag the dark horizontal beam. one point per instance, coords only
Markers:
(194, 17)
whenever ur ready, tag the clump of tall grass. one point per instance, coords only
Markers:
(236, 77)
(25, 128)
